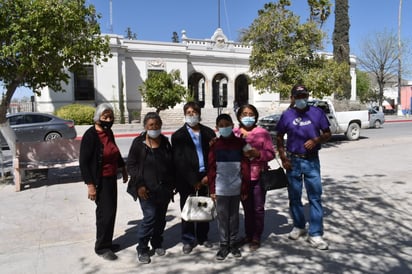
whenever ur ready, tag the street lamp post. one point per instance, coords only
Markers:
(399, 110)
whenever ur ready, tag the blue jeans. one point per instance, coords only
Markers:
(153, 224)
(307, 171)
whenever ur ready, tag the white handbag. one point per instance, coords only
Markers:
(199, 209)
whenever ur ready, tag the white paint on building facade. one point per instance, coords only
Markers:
(215, 69)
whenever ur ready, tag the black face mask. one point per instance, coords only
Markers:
(106, 125)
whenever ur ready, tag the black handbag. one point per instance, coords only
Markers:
(273, 179)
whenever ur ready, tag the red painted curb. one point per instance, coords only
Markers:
(397, 121)
(129, 135)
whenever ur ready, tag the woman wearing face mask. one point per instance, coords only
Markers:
(150, 166)
(190, 145)
(260, 151)
(99, 161)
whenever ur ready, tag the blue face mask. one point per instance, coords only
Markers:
(248, 121)
(153, 134)
(225, 131)
(301, 103)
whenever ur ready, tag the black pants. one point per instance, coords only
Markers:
(193, 232)
(106, 202)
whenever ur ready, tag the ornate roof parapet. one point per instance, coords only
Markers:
(218, 41)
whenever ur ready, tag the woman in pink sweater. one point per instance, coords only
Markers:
(260, 151)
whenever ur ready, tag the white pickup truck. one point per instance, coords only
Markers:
(347, 122)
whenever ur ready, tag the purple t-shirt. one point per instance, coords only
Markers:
(302, 126)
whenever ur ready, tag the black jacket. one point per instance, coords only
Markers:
(160, 177)
(185, 157)
(91, 156)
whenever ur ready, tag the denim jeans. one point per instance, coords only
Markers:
(153, 224)
(307, 171)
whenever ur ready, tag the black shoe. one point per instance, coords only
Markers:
(222, 253)
(108, 255)
(160, 251)
(187, 248)
(235, 252)
(143, 257)
(206, 244)
(115, 247)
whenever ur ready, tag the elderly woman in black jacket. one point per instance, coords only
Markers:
(99, 162)
(150, 165)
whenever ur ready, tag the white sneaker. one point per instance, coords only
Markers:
(318, 242)
(296, 233)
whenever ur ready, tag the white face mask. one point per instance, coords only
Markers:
(153, 134)
(192, 120)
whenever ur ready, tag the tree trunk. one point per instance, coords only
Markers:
(5, 128)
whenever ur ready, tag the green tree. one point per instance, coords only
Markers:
(41, 41)
(130, 34)
(341, 49)
(363, 87)
(285, 52)
(319, 10)
(163, 90)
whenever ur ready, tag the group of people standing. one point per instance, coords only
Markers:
(197, 162)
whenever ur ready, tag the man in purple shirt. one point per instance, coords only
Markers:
(306, 128)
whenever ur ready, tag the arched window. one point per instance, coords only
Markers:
(220, 89)
(241, 90)
(196, 85)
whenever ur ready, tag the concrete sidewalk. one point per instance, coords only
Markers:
(49, 227)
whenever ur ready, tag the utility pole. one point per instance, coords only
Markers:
(218, 14)
(111, 16)
(399, 106)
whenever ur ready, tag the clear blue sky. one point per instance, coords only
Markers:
(156, 20)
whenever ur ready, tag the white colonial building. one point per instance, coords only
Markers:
(216, 70)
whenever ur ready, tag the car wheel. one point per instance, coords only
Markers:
(353, 132)
(378, 124)
(52, 135)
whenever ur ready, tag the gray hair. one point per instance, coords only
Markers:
(100, 109)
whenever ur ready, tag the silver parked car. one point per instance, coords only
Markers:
(34, 126)
(376, 118)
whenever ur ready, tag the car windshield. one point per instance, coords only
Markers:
(320, 104)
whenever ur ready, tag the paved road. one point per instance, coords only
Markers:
(49, 226)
